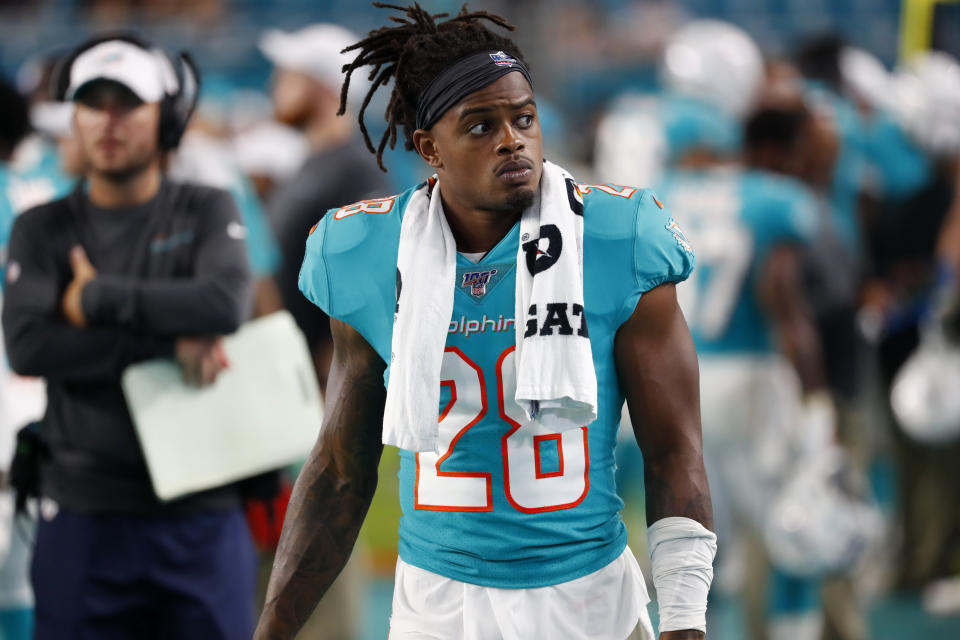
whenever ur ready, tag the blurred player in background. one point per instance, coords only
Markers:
(306, 96)
(911, 307)
(510, 526)
(270, 154)
(129, 266)
(711, 72)
(768, 412)
(767, 409)
(746, 313)
(51, 118)
(29, 175)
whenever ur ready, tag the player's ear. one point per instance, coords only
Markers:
(426, 146)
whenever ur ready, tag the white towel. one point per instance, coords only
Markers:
(556, 381)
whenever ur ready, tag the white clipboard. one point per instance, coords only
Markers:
(263, 412)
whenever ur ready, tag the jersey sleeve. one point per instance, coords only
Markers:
(791, 216)
(313, 271)
(349, 268)
(661, 251)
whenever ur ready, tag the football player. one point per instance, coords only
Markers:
(754, 335)
(461, 336)
(710, 72)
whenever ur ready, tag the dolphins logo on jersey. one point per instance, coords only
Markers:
(677, 232)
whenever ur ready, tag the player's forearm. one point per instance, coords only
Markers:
(782, 294)
(334, 490)
(676, 486)
(798, 341)
(323, 519)
(38, 346)
(216, 304)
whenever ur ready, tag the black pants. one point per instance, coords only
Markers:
(121, 576)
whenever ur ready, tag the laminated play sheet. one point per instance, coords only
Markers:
(263, 412)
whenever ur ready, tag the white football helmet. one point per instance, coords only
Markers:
(631, 145)
(926, 100)
(863, 73)
(823, 519)
(716, 62)
(925, 395)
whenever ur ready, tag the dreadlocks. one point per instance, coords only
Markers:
(412, 54)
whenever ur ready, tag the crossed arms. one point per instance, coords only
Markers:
(122, 319)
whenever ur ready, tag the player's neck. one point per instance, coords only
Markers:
(477, 230)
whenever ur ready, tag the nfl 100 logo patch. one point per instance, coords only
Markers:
(477, 281)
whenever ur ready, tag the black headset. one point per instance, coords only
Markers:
(175, 108)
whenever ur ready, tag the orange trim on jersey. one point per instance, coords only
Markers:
(453, 443)
(537, 441)
(453, 398)
(375, 206)
(313, 228)
(659, 204)
(609, 189)
(506, 461)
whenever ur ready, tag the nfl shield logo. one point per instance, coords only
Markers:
(478, 281)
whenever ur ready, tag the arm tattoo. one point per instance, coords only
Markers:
(330, 498)
(677, 489)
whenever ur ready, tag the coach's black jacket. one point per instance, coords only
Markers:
(174, 266)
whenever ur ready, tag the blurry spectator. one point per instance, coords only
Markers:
(129, 266)
(897, 166)
(270, 154)
(51, 118)
(21, 400)
(712, 72)
(756, 342)
(29, 175)
(338, 171)
(837, 166)
(914, 249)
(746, 309)
(205, 159)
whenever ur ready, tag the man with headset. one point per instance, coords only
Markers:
(129, 266)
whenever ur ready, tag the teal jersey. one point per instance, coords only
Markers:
(690, 124)
(35, 178)
(850, 168)
(734, 218)
(501, 506)
(900, 166)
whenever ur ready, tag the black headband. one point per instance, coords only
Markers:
(462, 78)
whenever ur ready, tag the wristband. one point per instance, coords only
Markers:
(681, 555)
